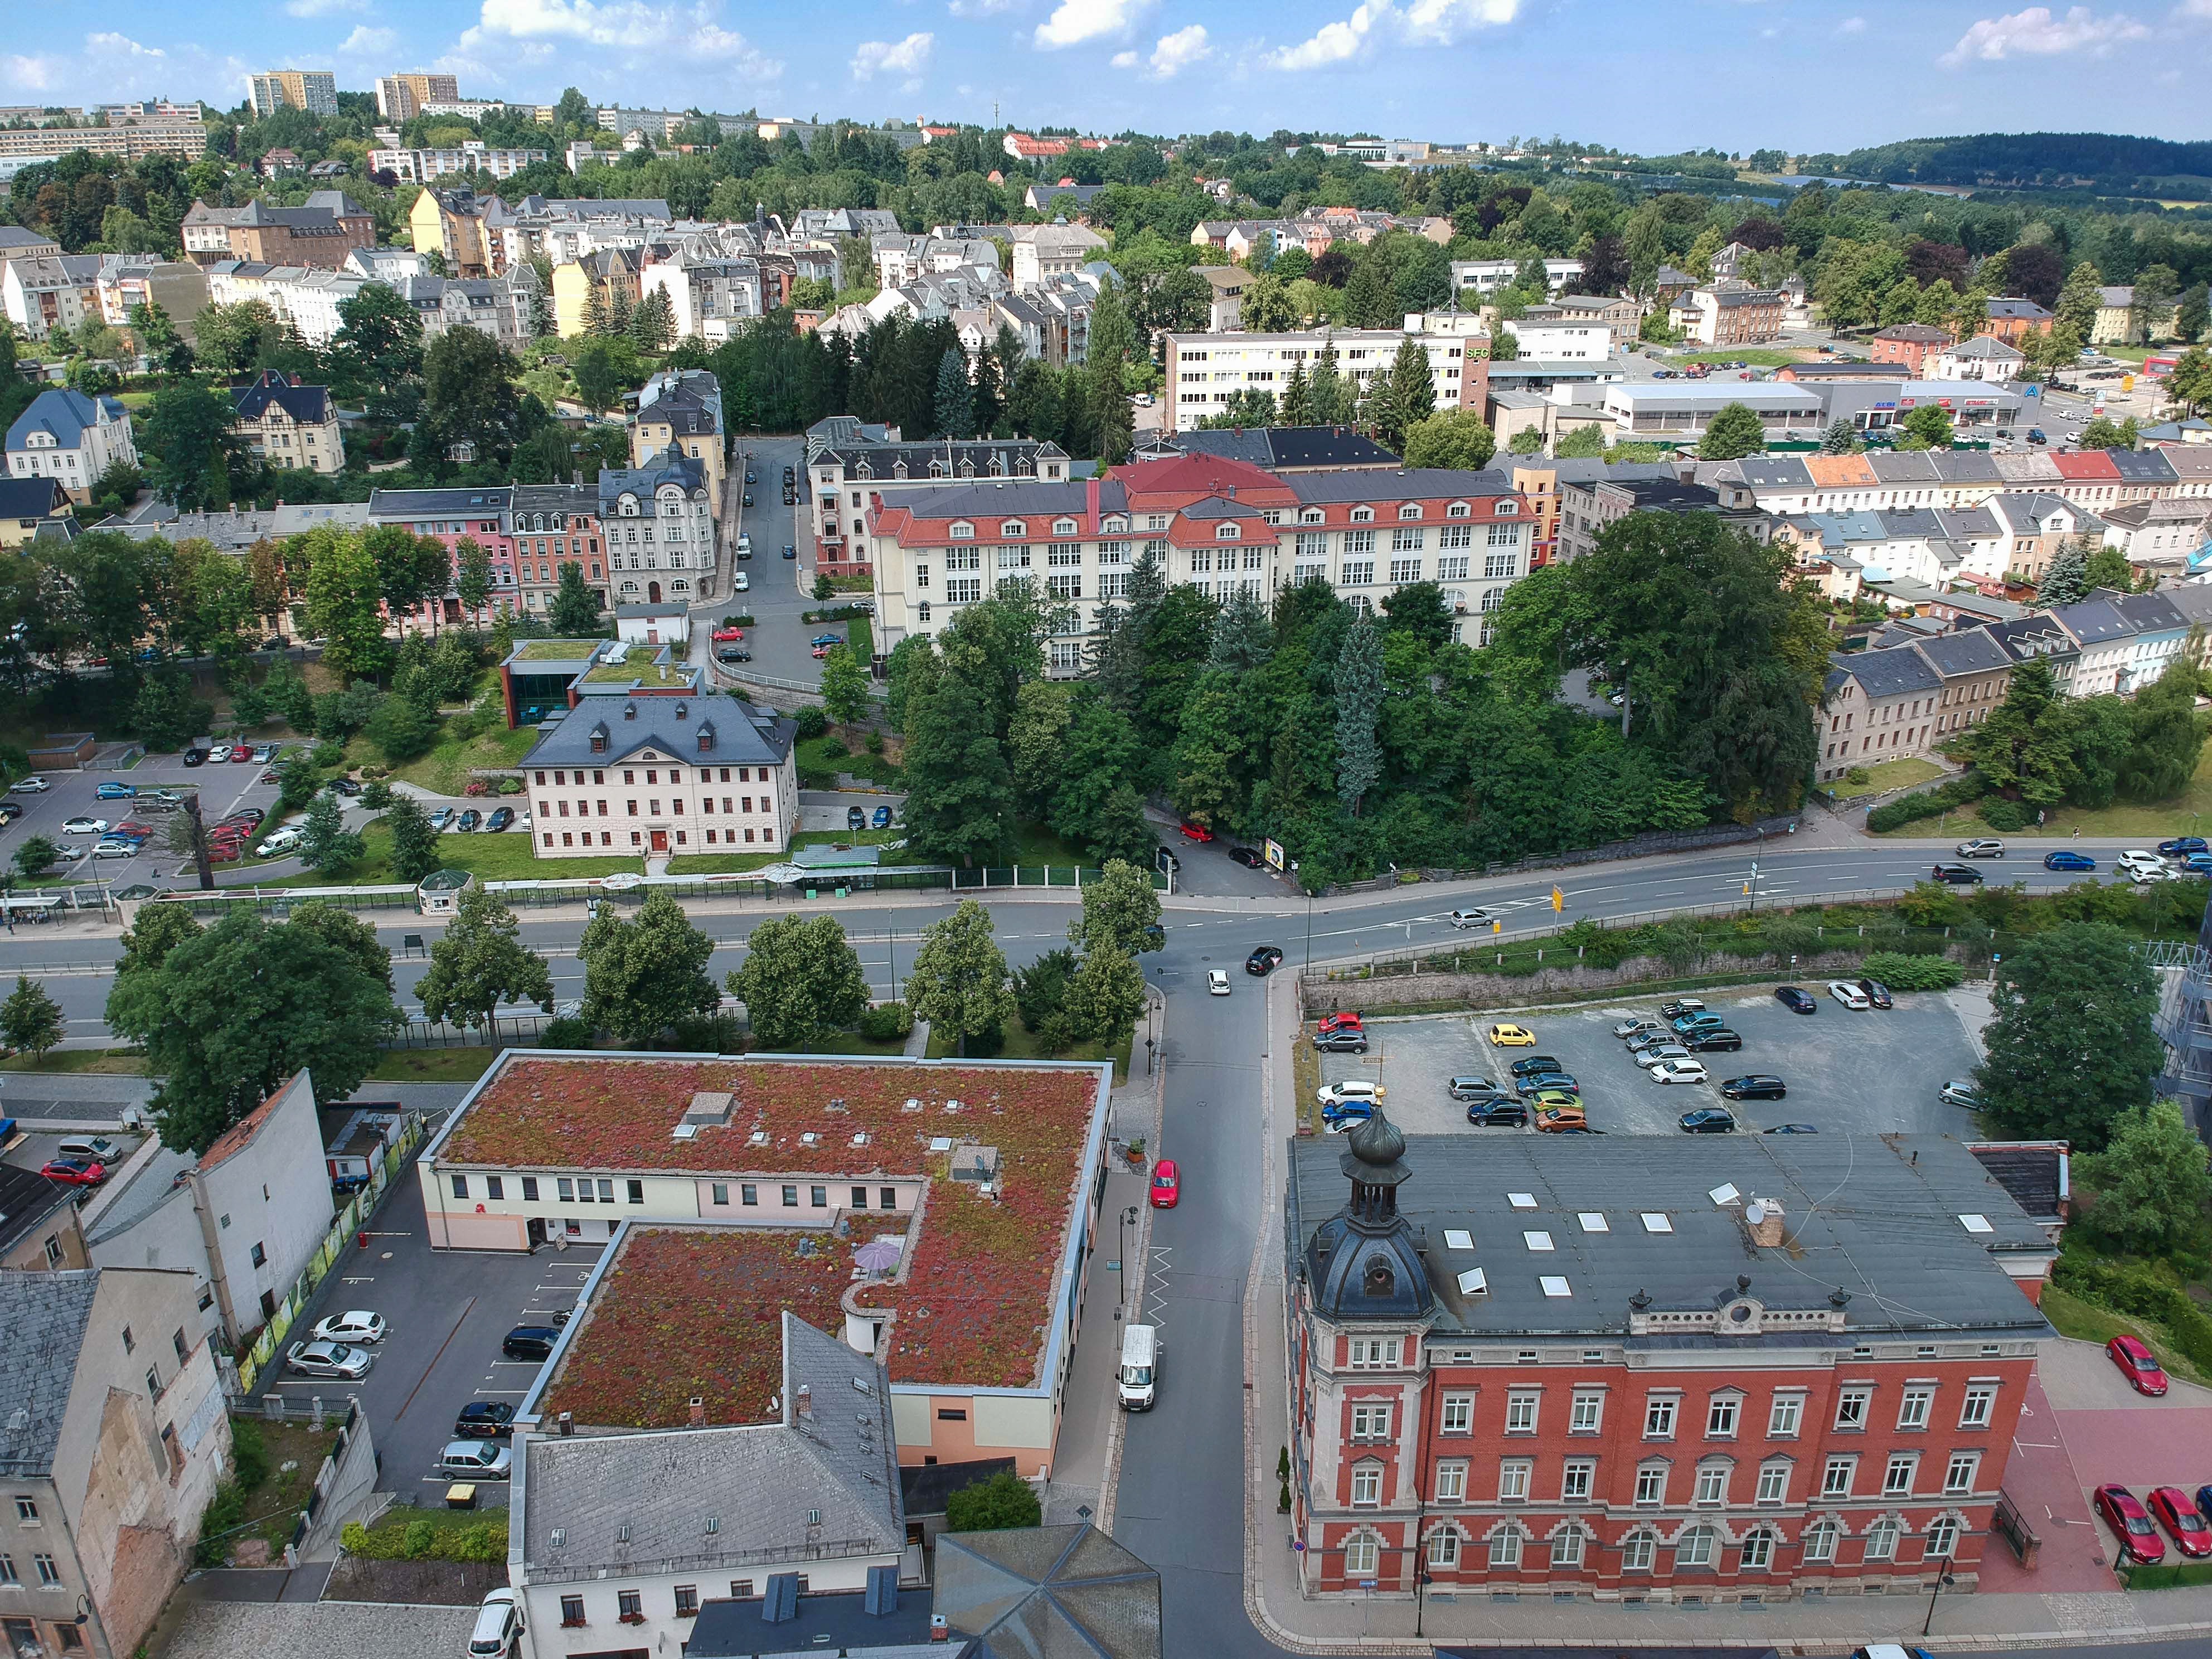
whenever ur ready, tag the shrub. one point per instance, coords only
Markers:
(421, 1540)
(1927, 803)
(249, 1452)
(887, 1021)
(510, 786)
(812, 722)
(835, 749)
(476, 787)
(1901, 972)
(875, 743)
(2004, 815)
(568, 1033)
(1858, 774)
(225, 1510)
(1005, 1500)
(709, 1034)
(2124, 1287)
(376, 796)
(329, 754)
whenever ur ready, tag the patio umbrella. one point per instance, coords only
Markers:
(878, 1255)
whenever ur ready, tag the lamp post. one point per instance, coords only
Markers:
(1128, 1220)
(1943, 1580)
(1150, 1043)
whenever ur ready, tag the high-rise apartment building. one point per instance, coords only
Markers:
(315, 91)
(401, 97)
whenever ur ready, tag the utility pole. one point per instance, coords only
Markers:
(199, 842)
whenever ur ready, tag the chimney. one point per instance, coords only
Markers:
(698, 1411)
(802, 1402)
(939, 1629)
(1764, 1217)
(568, 1424)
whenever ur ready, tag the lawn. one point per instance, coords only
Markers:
(2186, 814)
(1756, 356)
(445, 770)
(724, 864)
(1889, 774)
(435, 1065)
(503, 857)
(1021, 1044)
(2086, 1322)
(122, 1062)
(818, 769)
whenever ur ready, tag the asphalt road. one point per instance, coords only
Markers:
(777, 590)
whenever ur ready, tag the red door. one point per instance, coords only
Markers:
(660, 840)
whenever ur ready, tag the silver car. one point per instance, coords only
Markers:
(1661, 1053)
(328, 1359)
(475, 1460)
(1635, 1027)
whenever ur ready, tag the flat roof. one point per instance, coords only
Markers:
(637, 663)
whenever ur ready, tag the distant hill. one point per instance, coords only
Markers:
(2099, 161)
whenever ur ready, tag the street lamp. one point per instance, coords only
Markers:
(1128, 1220)
(1150, 1043)
(1943, 1580)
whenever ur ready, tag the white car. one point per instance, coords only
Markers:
(219, 754)
(328, 1359)
(499, 1625)
(475, 1460)
(1678, 1070)
(1358, 1088)
(2137, 859)
(1849, 994)
(282, 842)
(85, 827)
(1658, 1053)
(1217, 982)
(356, 1326)
(743, 582)
(2139, 873)
(31, 786)
(1468, 918)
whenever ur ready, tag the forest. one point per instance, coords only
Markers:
(2105, 162)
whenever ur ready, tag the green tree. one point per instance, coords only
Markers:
(2190, 383)
(653, 325)
(603, 370)
(1358, 684)
(35, 854)
(1528, 440)
(2079, 299)
(193, 454)
(1121, 908)
(228, 1014)
(480, 962)
(2148, 1189)
(575, 613)
(1453, 438)
(1297, 408)
(1105, 996)
(959, 802)
(844, 686)
(2108, 568)
(955, 397)
(1037, 743)
(1841, 438)
(1004, 1503)
(345, 606)
(2165, 739)
(30, 1019)
(1931, 424)
(2026, 747)
(801, 977)
(329, 846)
(166, 714)
(2194, 313)
(158, 931)
(404, 729)
(2066, 578)
(469, 395)
(415, 850)
(643, 975)
(2070, 1048)
(1412, 395)
(959, 979)
(377, 354)
(472, 577)
(1733, 433)
(2105, 433)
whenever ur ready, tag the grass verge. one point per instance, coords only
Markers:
(507, 856)
(2084, 1322)
(2186, 814)
(446, 768)
(724, 864)
(2174, 1576)
(1756, 356)
(121, 1062)
(1021, 1044)
(433, 1065)
(1890, 774)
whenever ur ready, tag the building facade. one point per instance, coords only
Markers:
(71, 438)
(485, 516)
(1729, 314)
(321, 233)
(315, 91)
(400, 98)
(289, 425)
(683, 407)
(555, 524)
(1206, 371)
(660, 527)
(1910, 345)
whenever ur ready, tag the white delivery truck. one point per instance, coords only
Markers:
(1141, 1367)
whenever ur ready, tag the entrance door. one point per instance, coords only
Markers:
(660, 840)
(537, 1231)
(653, 592)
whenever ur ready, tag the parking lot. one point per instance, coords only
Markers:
(222, 788)
(446, 1311)
(1858, 1073)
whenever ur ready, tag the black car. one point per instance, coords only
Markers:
(1718, 1041)
(1794, 1129)
(1708, 1120)
(196, 757)
(1958, 875)
(1796, 999)
(1498, 1109)
(732, 653)
(484, 1419)
(1536, 1063)
(856, 818)
(345, 787)
(1248, 857)
(1265, 960)
(1340, 1042)
(1876, 993)
(530, 1342)
(748, 500)
(471, 819)
(1758, 1086)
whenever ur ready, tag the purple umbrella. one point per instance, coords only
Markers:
(878, 1255)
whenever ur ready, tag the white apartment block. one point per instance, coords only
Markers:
(1204, 371)
(1488, 276)
(422, 165)
(709, 295)
(1549, 335)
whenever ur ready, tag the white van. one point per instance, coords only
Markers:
(499, 1626)
(1141, 1367)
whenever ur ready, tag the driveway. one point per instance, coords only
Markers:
(777, 590)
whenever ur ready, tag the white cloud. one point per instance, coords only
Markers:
(365, 42)
(36, 73)
(981, 8)
(2196, 11)
(122, 45)
(1173, 53)
(909, 58)
(617, 25)
(323, 8)
(1125, 60)
(1851, 26)
(2038, 33)
(1073, 21)
(1438, 22)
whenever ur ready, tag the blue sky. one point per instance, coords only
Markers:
(1646, 76)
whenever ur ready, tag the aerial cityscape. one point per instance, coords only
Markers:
(1046, 828)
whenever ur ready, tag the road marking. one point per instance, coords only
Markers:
(435, 1359)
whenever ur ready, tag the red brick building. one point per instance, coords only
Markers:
(1690, 1368)
(1911, 345)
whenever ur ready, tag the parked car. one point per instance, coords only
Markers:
(1350, 1042)
(1197, 832)
(358, 1326)
(320, 1358)
(722, 634)
(500, 817)
(2139, 1539)
(476, 1459)
(241, 754)
(1675, 1010)
(2137, 859)
(2183, 1519)
(75, 1171)
(529, 1342)
(219, 754)
(880, 818)
(112, 791)
(2138, 1365)
(116, 849)
(1634, 1027)
(1958, 875)
(485, 1419)
(471, 819)
(1961, 1092)
(85, 827)
(97, 1149)
(1534, 1064)
(2142, 874)
(440, 818)
(1985, 849)
(1756, 1086)
(820, 653)
(1249, 857)
(346, 786)
(1497, 1108)
(1566, 1115)
(1689, 1023)
(856, 818)
(1355, 1088)
(192, 757)
(1347, 1117)
(286, 840)
(1652, 1038)
(1529, 1087)
(827, 639)
(1658, 1053)
(1217, 982)
(1347, 1020)
(732, 653)
(1545, 1100)
(1679, 1071)
(10, 810)
(1793, 1129)
(1877, 993)
(1718, 1041)
(1264, 959)
(2069, 861)
(1707, 1121)
(1509, 1035)
(1799, 1000)
(1167, 1184)
(1472, 1087)
(30, 786)
(1847, 993)
(2181, 845)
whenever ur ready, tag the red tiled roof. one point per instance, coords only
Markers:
(237, 1138)
(1162, 486)
(2085, 465)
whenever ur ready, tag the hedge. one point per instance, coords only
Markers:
(1900, 972)
(423, 1539)
(2122, 1287)
(1928, 803)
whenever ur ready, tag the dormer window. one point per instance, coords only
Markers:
(960, 530)
(1410, 510)
(1363, 515)
(1311, 515)
(1228, 533)
(1507, 509)
(1458, 510)
(598, 740)
(937, 468)
(1014, 528)
(706, 736)
(1064, 527)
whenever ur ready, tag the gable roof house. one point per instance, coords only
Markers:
(71, 438)
(290, 425)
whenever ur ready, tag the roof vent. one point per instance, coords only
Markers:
(809, 1138)
(757, 1138)
(861, 1139)
(687, 1131)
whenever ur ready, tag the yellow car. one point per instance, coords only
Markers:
(1511, 1037)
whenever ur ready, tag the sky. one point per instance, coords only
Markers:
(1637, 75)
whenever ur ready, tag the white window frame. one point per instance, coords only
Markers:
(1456, 1415)
(1723, 1412)
(1578, 1479)
(1915, 1406)
(1897, 1474)
(1513, 1475)
(1712, 1484)
(1960, 1473)
(1978, 1409)
(1651, 1483)
(1586, 1411)
(1696, 1546)
(1366, 1484)
(1773, 1483)
(1784, 1414)
(1451, 1481)
(1522, 1406)
(1660, 1411)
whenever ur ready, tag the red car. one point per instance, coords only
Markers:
(1167, 1184)
(1346, 1021)
(74, 1172)
(2139, 1539)
(1197, 832)
(2184, 1522)
(2144, 1373)
(729, 633)
(243, 752)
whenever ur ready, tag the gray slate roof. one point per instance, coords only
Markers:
(1969, 651)
(1897, 672)
(1279, 445)
(1318, 488)
(45, 1315)
(2151, 613)
(64, 412)
(741, 738)
(1875, 1217)
(760, 1481)
(1049, 1591)
(2093, 622)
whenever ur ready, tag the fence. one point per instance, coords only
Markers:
(258, 1359)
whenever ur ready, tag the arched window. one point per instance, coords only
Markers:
(1694, 1548)
(1757, 1550)
(1443, 1547)
(1360, 1555)
(1881, 1539)
(1942, 1537)
(1821, 1541)
(630, 587)
(1505, 1547)
(1638, 1550)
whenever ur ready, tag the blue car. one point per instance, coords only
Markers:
(882, 820)
(2069, 861)
(2198, 864)
(115, 791)
(2182, 845)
